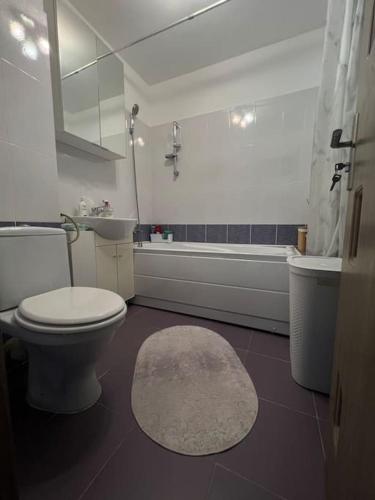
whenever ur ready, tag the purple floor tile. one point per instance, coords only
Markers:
(282, 453)
(322, 405)
(276, 346)
(143, 470)
(116, 393)
(242, 354)
(273, 381)
(238, 336)
(60, 460)
(229, 486)
(324, 431)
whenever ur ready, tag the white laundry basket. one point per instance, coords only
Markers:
(314, 285)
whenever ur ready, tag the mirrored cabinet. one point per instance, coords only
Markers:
(88, 90)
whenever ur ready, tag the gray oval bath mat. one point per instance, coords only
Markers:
(191, 393)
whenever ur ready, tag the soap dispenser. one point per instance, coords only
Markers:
(83, 209)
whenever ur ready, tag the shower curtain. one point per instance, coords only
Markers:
(336, 109)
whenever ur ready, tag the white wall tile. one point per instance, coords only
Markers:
(35, 186)
(28, 169)
(11, 49)
(7, 208)
(28, 111)
(256, 175)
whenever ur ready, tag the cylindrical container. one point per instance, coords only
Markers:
(302, 238)
(313, 286)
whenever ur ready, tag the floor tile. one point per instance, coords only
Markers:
(228, 486)
(276, 346)
(142, 470)
(238, 336)
(322, 405)
(273, 381)
(282, 453)
(324, 431)
(60, 460)
(242, 354)
(116, 393)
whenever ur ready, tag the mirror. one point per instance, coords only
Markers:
(111, 102)
(91, 99)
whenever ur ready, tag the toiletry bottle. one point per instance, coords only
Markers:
(83, 210)
(108, 210)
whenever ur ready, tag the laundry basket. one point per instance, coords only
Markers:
(314, 285)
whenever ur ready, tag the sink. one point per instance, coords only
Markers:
(109, 227)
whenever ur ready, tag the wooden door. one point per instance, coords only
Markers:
(351, 454)
(125, 271)
(106, 267)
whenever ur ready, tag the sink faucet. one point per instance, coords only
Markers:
(97, 210)
(104, 210)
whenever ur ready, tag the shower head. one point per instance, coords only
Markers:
(133, 114)
(135, 110)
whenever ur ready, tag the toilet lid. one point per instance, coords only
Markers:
(72, 306)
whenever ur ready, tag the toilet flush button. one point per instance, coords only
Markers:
(72, 305)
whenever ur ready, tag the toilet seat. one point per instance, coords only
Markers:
(70, 329)
(71, 306)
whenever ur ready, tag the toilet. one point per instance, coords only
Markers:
(63, 328)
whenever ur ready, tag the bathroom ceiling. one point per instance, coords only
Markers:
(230, 30)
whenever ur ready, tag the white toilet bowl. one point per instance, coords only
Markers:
(64, 328)
(64, 331)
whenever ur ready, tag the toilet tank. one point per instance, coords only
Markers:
(33, 260)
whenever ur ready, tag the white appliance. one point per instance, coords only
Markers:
(314, 286)
(64, 328)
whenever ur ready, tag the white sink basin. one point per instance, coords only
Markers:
(109, 227)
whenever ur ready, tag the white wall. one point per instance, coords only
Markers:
(227, 175)
(230, 175)
(277, 69)
(113, 180)
(28, 171)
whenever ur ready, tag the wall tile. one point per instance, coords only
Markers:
(11, 49)
(29, 114)
(239, 233)
(145, 232)
(179, 231)
(287, 234)
(196, 232)
(7, 208)
(263, 234)
(35, 186)
(217, 233)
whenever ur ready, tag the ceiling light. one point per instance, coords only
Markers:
(29, 50)
(17, 30)
(43, 45)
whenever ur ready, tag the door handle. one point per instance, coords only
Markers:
(336, 140)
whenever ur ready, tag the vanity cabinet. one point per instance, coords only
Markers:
(102, 263)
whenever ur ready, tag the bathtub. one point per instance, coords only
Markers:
(242, 284)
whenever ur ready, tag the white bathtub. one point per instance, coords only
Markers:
(241, 284)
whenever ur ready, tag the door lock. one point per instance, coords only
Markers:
(343, 166)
